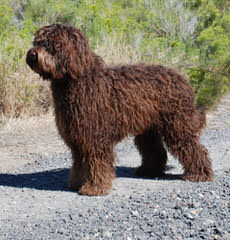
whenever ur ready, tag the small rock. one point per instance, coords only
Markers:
(163, 214)
(209, 223)
(176, 216)
(189, 216)
(200, 195)
(193, 212)
(107, 234)
(177, 206)
(135, 213)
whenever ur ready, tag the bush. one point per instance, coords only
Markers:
(193, 36)
(209, 86)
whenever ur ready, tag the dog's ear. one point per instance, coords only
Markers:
(81, 59)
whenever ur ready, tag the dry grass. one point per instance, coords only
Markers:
(24, 94)
(33, 122)
(116, 51)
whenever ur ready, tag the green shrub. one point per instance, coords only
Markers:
(209, 86)
(6, 15)
(193, 36)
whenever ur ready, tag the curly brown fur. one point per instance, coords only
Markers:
(96, 106)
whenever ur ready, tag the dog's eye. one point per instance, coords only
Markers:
(47, 43)
(49, 46)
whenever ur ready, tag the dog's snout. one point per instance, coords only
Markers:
(32, 57)
(33, 52)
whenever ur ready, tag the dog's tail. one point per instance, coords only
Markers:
(202, 117)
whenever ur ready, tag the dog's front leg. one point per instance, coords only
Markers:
(78, 172)
(100, 173)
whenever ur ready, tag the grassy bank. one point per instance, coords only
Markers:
(192, 36)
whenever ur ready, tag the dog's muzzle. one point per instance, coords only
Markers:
(32, 58)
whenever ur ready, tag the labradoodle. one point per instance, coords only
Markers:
(96, 106)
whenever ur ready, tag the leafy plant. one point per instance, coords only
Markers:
(191, 35)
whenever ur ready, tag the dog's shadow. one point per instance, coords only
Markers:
(55, 180)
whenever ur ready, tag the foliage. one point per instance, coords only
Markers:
(192, 35)
(211, 74)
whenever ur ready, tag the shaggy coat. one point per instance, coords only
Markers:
(97, 106)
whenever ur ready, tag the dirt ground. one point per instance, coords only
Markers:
(21, 140)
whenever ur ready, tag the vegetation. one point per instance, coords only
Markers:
(191, 35)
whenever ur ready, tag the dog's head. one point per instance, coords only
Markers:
(60, 51)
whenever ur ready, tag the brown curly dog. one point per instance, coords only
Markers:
(97, 106)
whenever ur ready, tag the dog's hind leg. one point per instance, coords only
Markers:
(184, 144)
(153, 153)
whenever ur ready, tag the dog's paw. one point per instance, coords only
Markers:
(94, 190)
(197, 177)
(148, 172)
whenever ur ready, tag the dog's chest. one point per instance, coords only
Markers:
(65, 111)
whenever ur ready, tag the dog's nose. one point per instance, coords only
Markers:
(31, 57)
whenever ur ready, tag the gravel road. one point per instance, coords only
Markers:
(36, 204)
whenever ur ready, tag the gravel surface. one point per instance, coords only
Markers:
(36, 204)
